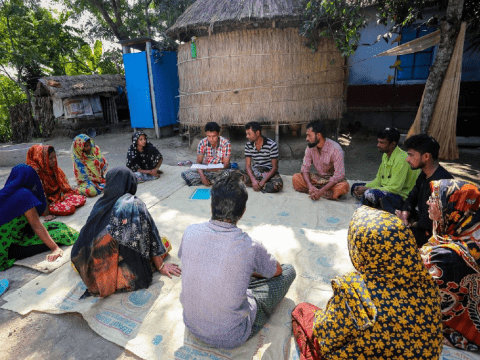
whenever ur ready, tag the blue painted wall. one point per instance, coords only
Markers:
(365, 69)
(138, 90)
(166, 85)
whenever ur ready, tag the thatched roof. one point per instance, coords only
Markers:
(70, 86)
(214, 16)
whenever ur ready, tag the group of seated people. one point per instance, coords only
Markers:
(403, 300)
(261, 162)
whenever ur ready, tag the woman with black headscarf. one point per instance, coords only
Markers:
(143, 158)
(119, 245)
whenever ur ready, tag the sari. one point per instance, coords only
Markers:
(89, 169)
(388, 309)
(145, 160)
(62, 199)
(23, 191)
(452, 256)
(116, 244)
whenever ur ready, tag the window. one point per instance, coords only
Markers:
(415, 66)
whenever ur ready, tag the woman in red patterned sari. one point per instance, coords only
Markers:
(452, 256)
(62, 199)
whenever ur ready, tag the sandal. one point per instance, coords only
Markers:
(3, 286)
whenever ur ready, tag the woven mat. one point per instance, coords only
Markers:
(310, 235)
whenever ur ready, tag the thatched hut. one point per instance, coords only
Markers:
(251, 64)
(75, 103)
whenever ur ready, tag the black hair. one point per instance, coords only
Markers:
(51, 149)
(317, 127)
(229, 197)
(389, 133)
(423, 143)
(255, 126)
(212, 126)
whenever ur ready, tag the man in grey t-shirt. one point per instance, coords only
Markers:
(230, 283)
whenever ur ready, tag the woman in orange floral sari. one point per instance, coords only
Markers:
(62, 199)
(452, 256)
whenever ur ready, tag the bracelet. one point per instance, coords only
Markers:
(161, 267)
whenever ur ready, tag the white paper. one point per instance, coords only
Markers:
(206, 167)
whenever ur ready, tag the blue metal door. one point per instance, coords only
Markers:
(138, 90)
(165, 82)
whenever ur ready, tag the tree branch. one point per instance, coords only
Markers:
(113, 26)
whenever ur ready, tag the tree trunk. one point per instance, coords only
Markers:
(449, 28)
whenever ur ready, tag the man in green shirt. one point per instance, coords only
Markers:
(394, 179)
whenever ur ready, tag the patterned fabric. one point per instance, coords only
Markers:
(116, 245)
(303, 317)
(89, 169)
(214, 155)
(273, 185)
(68, 206)
(268, 293)
(262, 158)
(54, 181)
(19, 232)
(141, 177)
(390, 307)
(417, 198)
(146, 159)
(452, 255)
(395, 176)
(192, 177)
(22, 191)
(328, 161)
(375, 198)
(319, 181)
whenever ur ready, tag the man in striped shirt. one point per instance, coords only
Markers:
(262, 174)
(327, 157)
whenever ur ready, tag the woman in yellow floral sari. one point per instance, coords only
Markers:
(388, 309)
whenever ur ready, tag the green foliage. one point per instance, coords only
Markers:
(128, 19)
(33, 42)
(340, 20)
(10, 94)
(89, 61)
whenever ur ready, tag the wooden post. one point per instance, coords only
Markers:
(152, 90)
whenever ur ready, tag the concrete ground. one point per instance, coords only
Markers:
(67, 336)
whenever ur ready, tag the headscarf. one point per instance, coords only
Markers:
(54, 181)
(22, 191)
(459, 226)
(120, 181)
(390, 300)
(88, 167)
(145, 160)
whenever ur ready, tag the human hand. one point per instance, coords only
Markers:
(359, 190)
(403, 215)
(170, 269)
(434, 212)
(55, 254)
(205, 181)
(256, 185)
(262, 183)
(317, 194)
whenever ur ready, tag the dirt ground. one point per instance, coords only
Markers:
(67, 336)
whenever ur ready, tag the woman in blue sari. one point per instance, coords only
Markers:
(22, 234)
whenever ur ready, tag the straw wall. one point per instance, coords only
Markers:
(264, 74)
